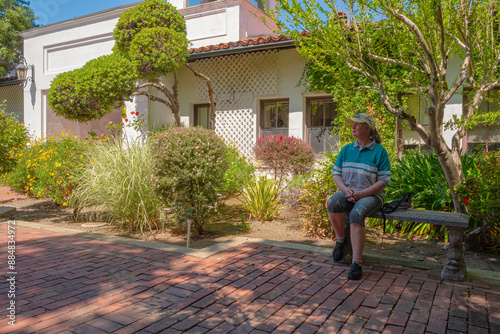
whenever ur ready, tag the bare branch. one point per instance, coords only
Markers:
(395, 62)
(461, 80)
(162, 88)
(420, 38)
(210, 94)
(365, 87)
(152, 98)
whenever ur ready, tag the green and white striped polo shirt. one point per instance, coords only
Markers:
(360, 167)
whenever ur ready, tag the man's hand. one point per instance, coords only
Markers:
(350, 195)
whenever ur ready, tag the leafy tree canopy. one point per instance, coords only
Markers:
(15, 16)
(431, 48)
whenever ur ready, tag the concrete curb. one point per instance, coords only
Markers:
(472, 274)
(6, 211)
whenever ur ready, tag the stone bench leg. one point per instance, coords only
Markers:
(455, 270)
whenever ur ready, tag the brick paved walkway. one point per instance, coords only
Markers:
(71, 284)
(7, 195)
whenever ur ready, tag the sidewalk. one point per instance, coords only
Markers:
(69, 283)
(7, 195)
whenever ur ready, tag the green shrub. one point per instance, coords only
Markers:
(240, 171)
(189, 167)
(284, 155)
(49, 167)
(261, 198)
(481, 193)
(318, 187)
(13, 136)
(118, 177)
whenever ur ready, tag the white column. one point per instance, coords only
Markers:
(179, 4)
(139, 104)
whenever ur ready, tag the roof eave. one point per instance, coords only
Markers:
(286, 44)
(11, 82)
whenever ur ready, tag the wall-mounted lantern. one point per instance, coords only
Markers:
(22, 72)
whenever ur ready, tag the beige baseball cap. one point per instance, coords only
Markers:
(362, 118)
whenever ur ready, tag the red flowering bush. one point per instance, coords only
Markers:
(283, 154)
(481, 195)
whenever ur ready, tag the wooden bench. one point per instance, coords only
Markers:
(454, 269)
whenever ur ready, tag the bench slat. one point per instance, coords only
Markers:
(452, 219)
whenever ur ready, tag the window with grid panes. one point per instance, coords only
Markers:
(202, 115)
(486, 135)
(321, 112)
(274, 117)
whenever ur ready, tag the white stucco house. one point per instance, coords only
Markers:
(254, 74)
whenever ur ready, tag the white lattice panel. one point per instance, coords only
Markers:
(13, 97)
(229, 120)
(237, 80)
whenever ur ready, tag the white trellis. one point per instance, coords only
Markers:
(237, 80)
(13, 97)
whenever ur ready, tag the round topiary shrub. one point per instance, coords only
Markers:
(189, 166)
(148, 14)
(283, 155)
(94, 90)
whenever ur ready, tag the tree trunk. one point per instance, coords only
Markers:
(452, 168)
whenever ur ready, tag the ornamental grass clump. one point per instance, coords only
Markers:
(260, 197)
(49, 167)
(189, 165)
(118, 178)
(284, 155)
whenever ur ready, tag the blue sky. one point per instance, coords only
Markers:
(51, 11)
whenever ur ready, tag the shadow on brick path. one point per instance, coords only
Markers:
(72, 284)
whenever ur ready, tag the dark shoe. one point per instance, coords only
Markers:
(338, 251)
(355, 272)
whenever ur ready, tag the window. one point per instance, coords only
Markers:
(202, 115)
(274, 117)
(320, 114)
(484, 136)
(416, 107)
(408, 139)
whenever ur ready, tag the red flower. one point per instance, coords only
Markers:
(466, 201)
(126, 120)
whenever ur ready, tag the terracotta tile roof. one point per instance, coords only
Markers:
(9, 81)
(14, 77)
(261, 40)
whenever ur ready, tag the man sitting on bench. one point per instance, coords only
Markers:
(361, 172)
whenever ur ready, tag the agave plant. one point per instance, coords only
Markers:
(261, 198)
